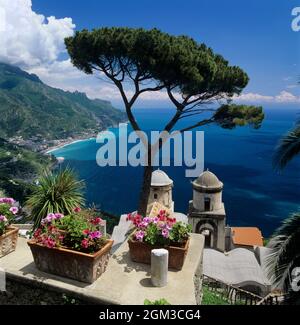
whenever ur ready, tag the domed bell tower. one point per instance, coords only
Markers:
(207, 212)
(161, 191)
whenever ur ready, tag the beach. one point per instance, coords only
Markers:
(65, 144)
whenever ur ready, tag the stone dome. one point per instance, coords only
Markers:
(160, 178)
(208, 181)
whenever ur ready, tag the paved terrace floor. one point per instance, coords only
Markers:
(124, 281)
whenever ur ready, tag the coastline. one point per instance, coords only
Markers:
(65, 143)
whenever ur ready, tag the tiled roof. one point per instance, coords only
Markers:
(248, 236)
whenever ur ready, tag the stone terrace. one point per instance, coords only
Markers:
(124, 281)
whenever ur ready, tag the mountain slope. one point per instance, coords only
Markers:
(19, 167)
(29, 108)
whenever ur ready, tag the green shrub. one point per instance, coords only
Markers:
(162, 301)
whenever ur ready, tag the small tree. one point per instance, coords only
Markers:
(149, 61)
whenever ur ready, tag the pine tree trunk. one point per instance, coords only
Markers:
(144, 194)
(145, 191)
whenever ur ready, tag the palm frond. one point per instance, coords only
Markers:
(288, 148)
(285, 250)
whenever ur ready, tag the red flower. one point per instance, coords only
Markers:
(97, 221)
(129, 217)
(77, 209)
(37, 233)
(86, 231)
(85, 243)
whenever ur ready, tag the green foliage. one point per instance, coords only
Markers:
(159, 302)
(66, 300)
(153, 236)
(211, 298)
(29, 108)
(58, 192)
(75, 226)
(230, 116)
(288, 148)
(180, 232)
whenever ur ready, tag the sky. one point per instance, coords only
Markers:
(255, 35)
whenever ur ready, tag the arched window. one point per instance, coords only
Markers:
(155, 196)
(207, 204)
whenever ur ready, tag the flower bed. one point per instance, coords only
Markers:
(8, 234)
(72, 246)
(160, 231)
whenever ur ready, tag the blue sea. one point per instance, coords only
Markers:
(254, 193)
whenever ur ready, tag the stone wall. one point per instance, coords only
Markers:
(24, 294)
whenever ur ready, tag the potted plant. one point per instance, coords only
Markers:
(160, 231)
(71, 246)
(8, 233)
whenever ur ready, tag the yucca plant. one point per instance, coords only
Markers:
(285, 256)
(56, 192)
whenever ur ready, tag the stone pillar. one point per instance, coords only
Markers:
(159, 267)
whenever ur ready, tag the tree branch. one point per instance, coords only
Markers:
(201, 123)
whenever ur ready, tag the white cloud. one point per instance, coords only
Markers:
(286, 97)
(253, 97)
(282, 97)
(28, 39)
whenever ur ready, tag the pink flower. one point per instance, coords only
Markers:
(50, 217)
(139, 235)
(95, 235)
(77, 209)
(58, 216)
(14, 210)
(3, 219)
(165, 233)
(49, 242)
(7, 200)
(85, 243)
(155, 220)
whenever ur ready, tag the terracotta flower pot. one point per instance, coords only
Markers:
(8, 241)
(141, 253)
(69, 263)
